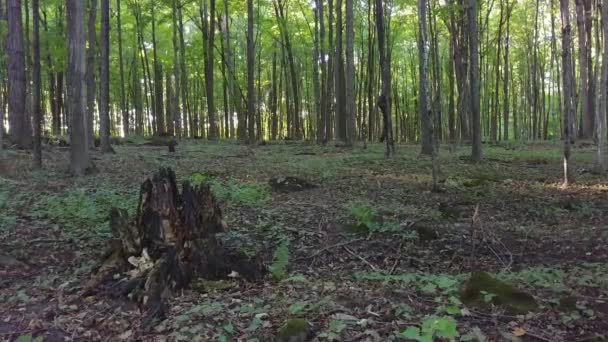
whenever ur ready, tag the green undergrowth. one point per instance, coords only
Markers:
(8, 218)
(558, 280)
(84, 210)
(232, 190)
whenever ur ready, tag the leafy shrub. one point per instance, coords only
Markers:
(88, 209)
(249, 193)
(363, 215)
(280, 261)
(432, 327)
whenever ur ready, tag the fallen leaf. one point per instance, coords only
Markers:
(519, 332)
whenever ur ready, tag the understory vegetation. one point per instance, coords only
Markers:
(368, 254)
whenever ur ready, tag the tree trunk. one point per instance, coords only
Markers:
(126, 129)
(505, 84)
(36, 87)
(250, 74)
(384, 101)
(90, 72)
(474, 82)
(17, 111)
(182, 124)
(603, 95)
(315, 75)
(586, 114)
(423, 91)
(370, 75)
(568, 91)
(159, 113)
(209, 40)
(175, 115)
(104, 79)
(80, 161)
(350, 113)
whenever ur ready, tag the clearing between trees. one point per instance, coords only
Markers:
(353, 247)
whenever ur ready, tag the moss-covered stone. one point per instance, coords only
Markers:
(295, 330)
(483, 291)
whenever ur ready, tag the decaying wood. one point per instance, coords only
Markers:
(170, 242)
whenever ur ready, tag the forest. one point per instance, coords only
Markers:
(303, 170)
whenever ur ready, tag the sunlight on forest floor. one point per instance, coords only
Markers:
(373, 254)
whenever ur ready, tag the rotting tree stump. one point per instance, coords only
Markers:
(170, 242)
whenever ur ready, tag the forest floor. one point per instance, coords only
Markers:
(373, 255)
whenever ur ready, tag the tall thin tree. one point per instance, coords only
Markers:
(17, 111)
(567, 87)
(80, 160)
(474, 78)
(104, 79)
(250, 73)
(36, 86)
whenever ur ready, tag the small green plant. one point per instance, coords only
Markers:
(432, 327)
(363, 214)
(81, 207)
(248, 193)
(280, 261)
(29, 338)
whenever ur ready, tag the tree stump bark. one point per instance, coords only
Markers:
(170, 242)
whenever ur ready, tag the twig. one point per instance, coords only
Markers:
(360, 258)
(322, 250)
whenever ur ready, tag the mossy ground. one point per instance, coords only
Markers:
(506, 216)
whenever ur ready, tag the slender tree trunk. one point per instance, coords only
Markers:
(36, 86)
(126, 129)
(175, 115)
(340, 89)
(588, 129)
(567, 87)
(474, 75)
(159, 113)
(384, 101)
(104, 79)
(80, 160)
(603, 94)
(17, 110)
(586, 114)
(325, 92)
(423, 92)
(213, 129)
(90, 72)
(370, 74)
(182, 124)
(250, 73)
(315, 75)
(350, 109)
(505, 81)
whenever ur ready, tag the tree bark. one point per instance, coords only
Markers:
(474, 79)
(20, 133)
(350, 118)
(104, 79)
(603, 94)
(159, 113)
(567, 86)
(36, 86)
(123, 105)
(175, 115)
(384, 101)
(80, 161)
(423, 91)
(250, 74)
(90, 72)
